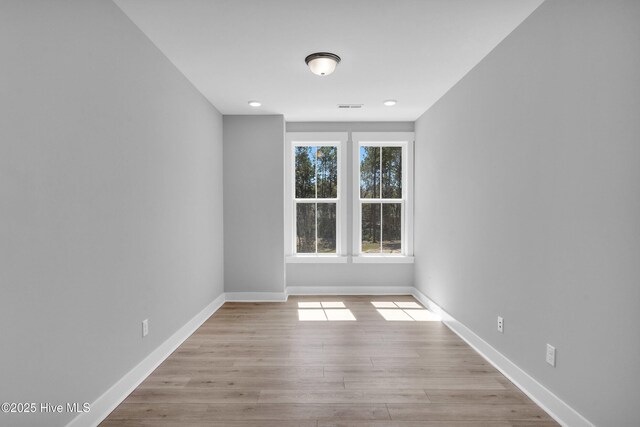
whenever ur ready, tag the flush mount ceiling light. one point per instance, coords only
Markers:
(255, 104)
(390, 102)
(322, 63)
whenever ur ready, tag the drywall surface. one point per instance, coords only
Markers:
(110, 202)
(349, 275)
(528, 202)
(350, 126)
(253, 203)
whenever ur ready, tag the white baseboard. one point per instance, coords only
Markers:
(106, 403)
(549, 402)
(349, 290)
(256, 296)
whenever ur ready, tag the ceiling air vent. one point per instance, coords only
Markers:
(345, 106)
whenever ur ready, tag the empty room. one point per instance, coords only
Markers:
(296, 213)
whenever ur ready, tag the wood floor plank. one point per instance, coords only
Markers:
(350, 373)
(260, 383)
(352, 423)
(253, 412)
(192, 395)
(350, 351)
(212, 423)
(465, 383)
(467, 412)
(258, 365)
(343, 396)
(278, 372)
(304, 361)
(497, 397)
(428, 361)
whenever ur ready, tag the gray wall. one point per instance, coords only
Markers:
(350, 274)
(254, 203)
(110, 201)
(528, 202)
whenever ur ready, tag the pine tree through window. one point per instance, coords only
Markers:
(382, 196)
(381, 199)
(316, 197)
(379, 168)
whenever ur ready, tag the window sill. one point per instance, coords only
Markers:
(318, 259)
(382, 259)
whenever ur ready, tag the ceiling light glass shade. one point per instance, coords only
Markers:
(390, 102)
(322, 63)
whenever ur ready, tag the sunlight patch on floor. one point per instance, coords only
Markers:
(383, 304)
(423, 315)
(395, 315)
(404, 311)
(309, 305)
(322, 311)
(339, 314)
(311, 315)
(407, 304)
(333, 304)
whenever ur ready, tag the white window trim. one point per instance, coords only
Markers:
(398, 139)
(339, 140)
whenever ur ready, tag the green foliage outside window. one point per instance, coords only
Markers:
(316, 177)
(381, 178)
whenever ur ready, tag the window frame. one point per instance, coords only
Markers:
(405, 140)
(315, 139)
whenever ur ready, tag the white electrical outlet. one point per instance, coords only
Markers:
(145, 327)
(500, 324)
(551, 355)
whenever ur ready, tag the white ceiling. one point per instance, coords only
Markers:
(414, 51)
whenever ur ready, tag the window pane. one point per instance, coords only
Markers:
(369, 172)
(371, 227)
(391, 227)
(392, 172)
(305, 228)
(327, 165)
(326, 228)
(305, 158)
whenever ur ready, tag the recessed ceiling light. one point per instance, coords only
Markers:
(322, 63)
(390, 102)
(255, 103)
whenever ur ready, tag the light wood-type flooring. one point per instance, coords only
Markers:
(257, 364)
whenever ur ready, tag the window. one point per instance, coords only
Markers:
(316, 197)
(383, 204)
(315, 208)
